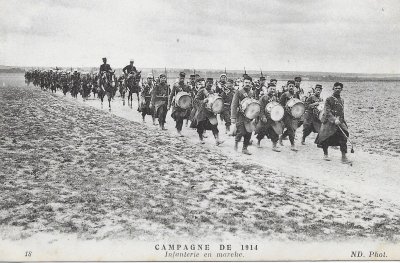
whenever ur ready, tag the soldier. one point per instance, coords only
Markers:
(104, 67)
(221, 84)
(237, 116)
(299, 92)
(145, 98)
(258, 88)
(206, 119)
(334, 131)
(227, 96)
(129, 68)
(312, 122)
(290, 122)
(179, 114)
(159, 100)
(267, 126)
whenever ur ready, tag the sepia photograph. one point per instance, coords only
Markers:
(199, 130)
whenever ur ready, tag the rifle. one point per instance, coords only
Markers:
(261, 73)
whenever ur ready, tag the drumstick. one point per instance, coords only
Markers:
(352, 150)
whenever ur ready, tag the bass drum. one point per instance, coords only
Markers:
(295, 107)
(183, 100)
(275, 110)
(215, 103)
(250, 107)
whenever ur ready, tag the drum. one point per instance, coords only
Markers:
(319, 111)
(295, 107)
(215, 103)
(183, 100)
(250, 107)
(275, 110)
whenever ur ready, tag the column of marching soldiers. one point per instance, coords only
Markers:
(243, 105)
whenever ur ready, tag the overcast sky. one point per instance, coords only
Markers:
(310, 35)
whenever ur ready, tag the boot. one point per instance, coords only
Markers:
(280, 140)
(236, 146)
(275, 147)
(245, 151)
(345, 160)
(217, 140)
(259, 143)
(293, 148)
(201, 139)
(326, 157)
(303, 141)
(179, 133)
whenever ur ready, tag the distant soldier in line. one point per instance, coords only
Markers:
(237, 116)
(267, 126)
(221, 84)
(290, 122)
(312, 122)
(334, 131)
(145, 98)
(179, 114)
(258, 88)
(129, 68)
(159, 100)
(205, 117)
(227, 96)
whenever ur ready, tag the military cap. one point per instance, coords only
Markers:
(272, 80)
(318, 86)
(149, 76)
(199, 79)
(222, 75)
(104, 58)
(245, 76)
(182, 74)
(338, 84)
(163, 75)
(290, 82)
(192, 76)
(230, 81)
(297, 79)
(131, 60)
(210, 79)
(271, 85)
(262, 78)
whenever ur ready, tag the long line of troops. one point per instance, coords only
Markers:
(244, 105)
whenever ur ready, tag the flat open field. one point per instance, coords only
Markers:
(66, 167)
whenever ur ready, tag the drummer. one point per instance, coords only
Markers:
(312, 122)
(179, 114)
(227, 96)
(237, 116)
(290, 122)
(203, 115)
(267, 126)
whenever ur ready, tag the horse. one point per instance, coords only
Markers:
(122, 88)
(107, 87)
(132, 83)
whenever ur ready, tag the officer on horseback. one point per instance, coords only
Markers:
(105, 67)
(129, 68)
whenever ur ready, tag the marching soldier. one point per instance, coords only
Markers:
(258, 88)
(299, 92)
(267, 126)
(145, 98)
(205, 119)
(312, 122)
(227, 96)
(334, 131)
(237, 116)
(221, 84)
(290, 122)
(159, 100)
(179, 114)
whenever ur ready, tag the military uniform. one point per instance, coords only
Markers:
(330, 134)
(241, 120)
(227, 97)
(159, 100)
(267, 126)
(129, 68)
(311, 118)
(178, 114)
(145, 99)
(291, 124)
(203, 115)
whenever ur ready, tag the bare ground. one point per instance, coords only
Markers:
(69, 168)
